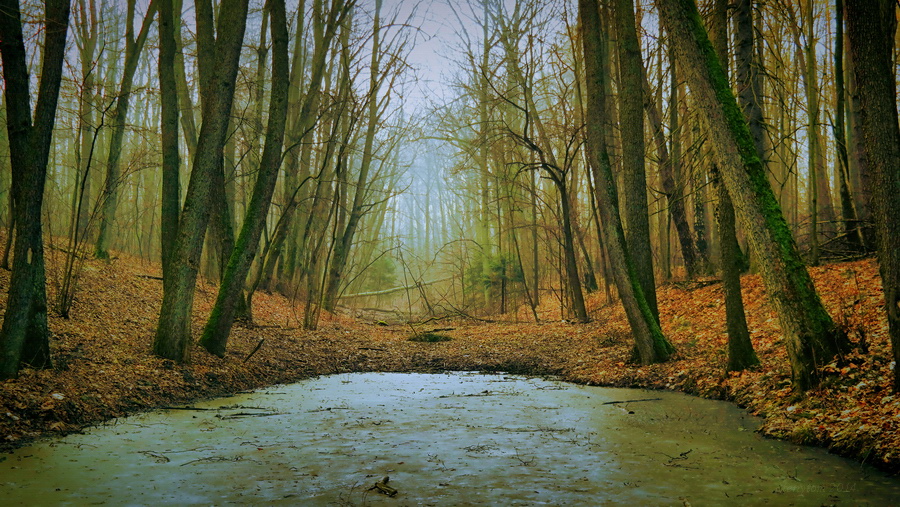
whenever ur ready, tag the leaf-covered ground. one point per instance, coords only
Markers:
(103, 366)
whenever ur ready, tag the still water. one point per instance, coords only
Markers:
(443, 439)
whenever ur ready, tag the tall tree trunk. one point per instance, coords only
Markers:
(740, 349)
(185, 102)
(133, 47)
(481, 74)
(650, 342)
(811, 335)
(345, 239)
(747, 75)
(24, 337)
(560, 175)
(631, 124)
(173, 331)
(871, 25)
(326, 23)
(673, 193)
(819, 202)
(87, 135)
(218, 327)
(171, 186)
(849, 215)
(856, 152)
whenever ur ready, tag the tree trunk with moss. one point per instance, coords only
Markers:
(812, 337)
(650, 342)
(871, 25)
(218, 327)
(173, 331)
(24, 337)
(631, 122)
(740, 349)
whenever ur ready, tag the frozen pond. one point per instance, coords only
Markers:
(444, 439)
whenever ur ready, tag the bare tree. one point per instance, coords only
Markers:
(218, 327)
(812, 337)
(24, 337)
(871, 25)
(650, 342)
(173, 331)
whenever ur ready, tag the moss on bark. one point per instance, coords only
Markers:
(811, 335)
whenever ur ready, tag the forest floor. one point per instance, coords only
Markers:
(104, 368)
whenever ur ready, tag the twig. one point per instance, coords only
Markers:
(523, 461)
(258, 345)
(247, 414)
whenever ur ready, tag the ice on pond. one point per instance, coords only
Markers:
(443, 439)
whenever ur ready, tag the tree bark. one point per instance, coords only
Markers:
(113, 171)
(24, 337)
(171, 186)
(218, 327)
(650, 342)
(871, 25)
(740, 349)
(811, 335)
(747, 75)
(173, 331)
(631, 125)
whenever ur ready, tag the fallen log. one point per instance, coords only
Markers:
(393, 289)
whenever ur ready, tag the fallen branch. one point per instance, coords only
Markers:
(382, 487)
(691, 285)
(258, 345)
(629, 401)
(433, 319)
(247, 414)
(393, 289)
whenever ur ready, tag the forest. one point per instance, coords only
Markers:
(701, 195)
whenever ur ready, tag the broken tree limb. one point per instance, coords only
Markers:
(382, 487)
(393, 289)
(258, 345)
(629, 401)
